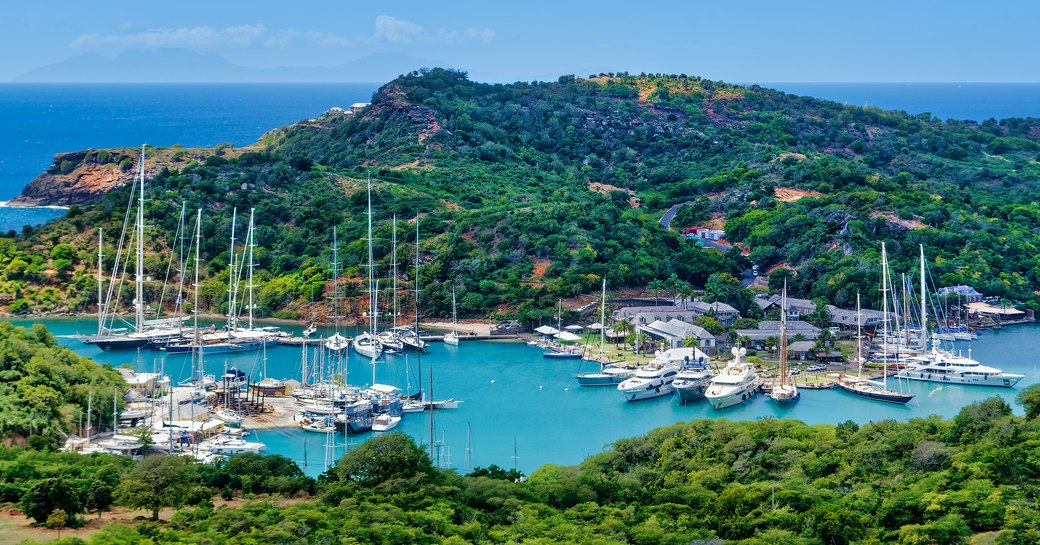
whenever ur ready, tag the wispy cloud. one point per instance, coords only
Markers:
(202, 37)
(394, 30)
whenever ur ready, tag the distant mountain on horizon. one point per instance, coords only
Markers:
(172, 65)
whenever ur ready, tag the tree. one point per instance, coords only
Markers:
(1030, 399)
(99, 496)
(691, 342)
(57, 520)
(157, 482)
(387, 457)
(49, 495)
(623, 327)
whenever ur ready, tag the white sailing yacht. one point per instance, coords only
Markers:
(865, 388)
(145, 332)
(336, 342)
(785, 393)
(367, 343)
(608, 375)
(452, 337)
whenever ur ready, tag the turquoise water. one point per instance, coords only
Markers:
(510, 393)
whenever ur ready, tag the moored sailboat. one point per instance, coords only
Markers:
(786, 393)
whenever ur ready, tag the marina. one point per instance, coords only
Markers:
(510, 391)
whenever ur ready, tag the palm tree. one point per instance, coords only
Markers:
(623, 327)
(691, 342)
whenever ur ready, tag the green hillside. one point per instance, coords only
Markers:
(534, 191)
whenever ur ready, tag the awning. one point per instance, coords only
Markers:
(547, 330)
(596, 326)
(567, 336)
(384, 388)
(573, 327)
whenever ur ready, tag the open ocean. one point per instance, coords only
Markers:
(40, 120)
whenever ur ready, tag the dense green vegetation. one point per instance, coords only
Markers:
(766, 481)
(504, 175)
(45, 388)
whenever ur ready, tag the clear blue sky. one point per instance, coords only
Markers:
(749, 41)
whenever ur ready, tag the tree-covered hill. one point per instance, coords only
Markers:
(534, 191)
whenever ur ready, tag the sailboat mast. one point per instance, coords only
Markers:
(783, 336)
(252, 244)
(419, 356)
(335, 279)
(884, 316)
(195, 305)
(371, 294)
(602, 322)
(100, 283)
(231, 276)
(139, 271)
(180, 257)
(859, 339)
(394, 257)
(924, 304)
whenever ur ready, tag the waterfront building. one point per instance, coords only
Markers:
(673, 332)
(965, 294)
(756, 338)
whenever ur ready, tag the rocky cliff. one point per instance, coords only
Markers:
(82, 177)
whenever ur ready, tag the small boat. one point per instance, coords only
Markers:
(231, 417)
(309, 331)
(452, 338)
(736, 383)
(608, 375)
(336, 343)
(450, 403)
(318, 425)
(385, 422)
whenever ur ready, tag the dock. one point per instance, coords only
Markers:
(298, 341)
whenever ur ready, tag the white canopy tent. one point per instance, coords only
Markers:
(567, 336)
(547, 330)
(573, 327)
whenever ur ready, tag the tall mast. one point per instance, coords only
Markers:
(100, 285)
(859, 339)
(602, 322)
(252, 244)
(335, 279)
(231, 276)
(195, 305)
(394, 251)
(924, 305)
(884, 316)
(139, 271)
(180, 257)
(371, 293)
(783, 336)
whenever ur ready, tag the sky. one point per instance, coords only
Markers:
(748, 41)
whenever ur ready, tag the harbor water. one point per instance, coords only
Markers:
(521, 410)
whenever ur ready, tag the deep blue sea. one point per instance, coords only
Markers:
(511, 395)
(40, 120)
(973, 101)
